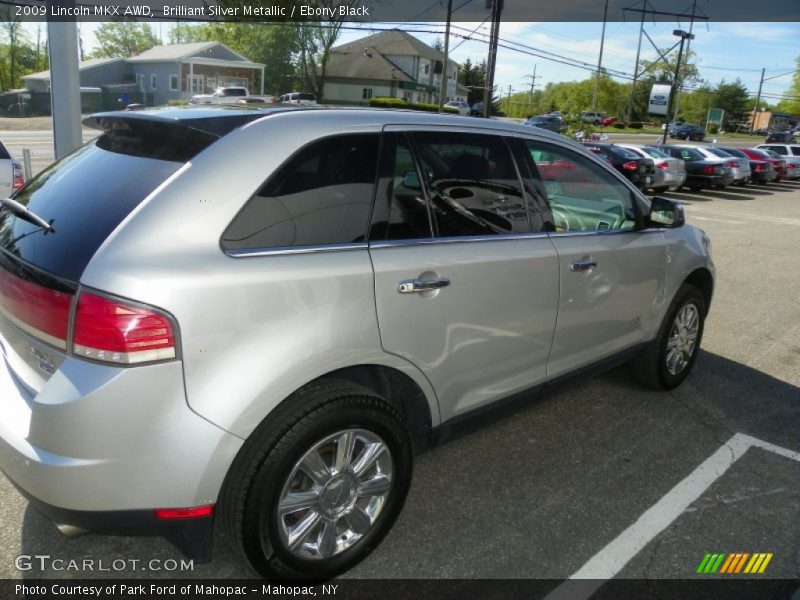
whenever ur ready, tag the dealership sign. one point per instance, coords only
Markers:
(659, 99)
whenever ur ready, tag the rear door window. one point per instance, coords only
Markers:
(472, 183)
(795, 150)
(321, 196)
(87, 194)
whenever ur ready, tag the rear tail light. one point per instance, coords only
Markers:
(111, 331)
(19, 178)
(630, 165)
(38, 310)
(789, 166)
(760, 168)
(733, 164)
(709, 170)
(663, 165)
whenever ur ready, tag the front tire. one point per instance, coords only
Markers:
(316, 488)
(669, 358)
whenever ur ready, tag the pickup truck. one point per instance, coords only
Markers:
(11, 177)
(230, 95)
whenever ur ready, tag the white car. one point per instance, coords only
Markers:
(301, 98)
(11, 177)
(461, 105)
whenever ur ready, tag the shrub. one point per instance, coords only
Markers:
(618, 125)
(713, 128)
(177, 103)
(635, 125)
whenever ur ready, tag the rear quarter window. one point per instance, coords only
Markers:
(4, 155)
(321, 196)
(88, 194)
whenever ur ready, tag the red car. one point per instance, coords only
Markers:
(606, 121)
(778, 164)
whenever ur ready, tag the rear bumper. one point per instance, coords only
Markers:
(96, 440)
(193, 537)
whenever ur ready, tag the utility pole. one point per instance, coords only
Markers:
(497, 9)
(65, 95)
(684, 36)
(680, 83)
(636, 66)
(443, 82)
(600, 59)
(758, 100)
(508, 100)
(533, 82)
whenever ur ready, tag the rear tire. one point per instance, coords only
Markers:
(660, 190)
(668, 359)
(696, 188)
(305, 497)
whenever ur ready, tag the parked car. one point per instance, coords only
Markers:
(595, 118)
(786, 137)
(777, 163)
(700, 172)
(460, 105)
(669, 172)
(782, 149)
(547, 122)
(270, 342)
(761, 171)
(638, 169)
(740, 167)
(608, 121)
(227, 95)
(11, 175)
(688, 131)
(792, 166)
(301, 98)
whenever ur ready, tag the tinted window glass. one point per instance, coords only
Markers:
(472, 183)
(735, 152)
(87, 194)
(401, 211)
(583, 196)
(620, 152)
(795, 150)
(655, 153)
(321, 196)
(3, 153)
(539, 211)
(689, 154)
(718, 152)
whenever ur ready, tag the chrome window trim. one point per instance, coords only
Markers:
(457, 240)
(610, 232)
(283, 250)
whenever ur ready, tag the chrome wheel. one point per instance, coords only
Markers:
(334, 494)
(682, 338)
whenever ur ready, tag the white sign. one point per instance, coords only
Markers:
(659, 99)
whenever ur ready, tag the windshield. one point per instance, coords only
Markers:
(719, 152)
(656, 153)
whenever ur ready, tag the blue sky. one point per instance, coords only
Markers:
(725, 50)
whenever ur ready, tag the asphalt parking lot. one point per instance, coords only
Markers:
(605, 478)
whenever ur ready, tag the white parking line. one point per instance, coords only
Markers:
(611, 559)
(695, 217)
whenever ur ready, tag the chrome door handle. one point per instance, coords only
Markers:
(417, 286)
(582, 265)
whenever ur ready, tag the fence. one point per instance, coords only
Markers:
(33, 104)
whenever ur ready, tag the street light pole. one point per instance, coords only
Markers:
(684, 36)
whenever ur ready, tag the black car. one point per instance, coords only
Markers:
(700, 172)
(549, 122)
(780, 137)
(761, 171)
(638, 169)
(687, 131)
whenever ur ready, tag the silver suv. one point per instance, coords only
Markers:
(262, 316)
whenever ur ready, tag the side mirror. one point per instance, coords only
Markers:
(411, 180)
(666, 213)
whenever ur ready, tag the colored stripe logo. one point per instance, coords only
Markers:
(734, 563)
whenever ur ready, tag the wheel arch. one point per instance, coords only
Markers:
(702, 279)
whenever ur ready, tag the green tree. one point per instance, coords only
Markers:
(18, 56)
(123, 38)
(791, 103)
(733, 98)
(183, 33)
(473, 76)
